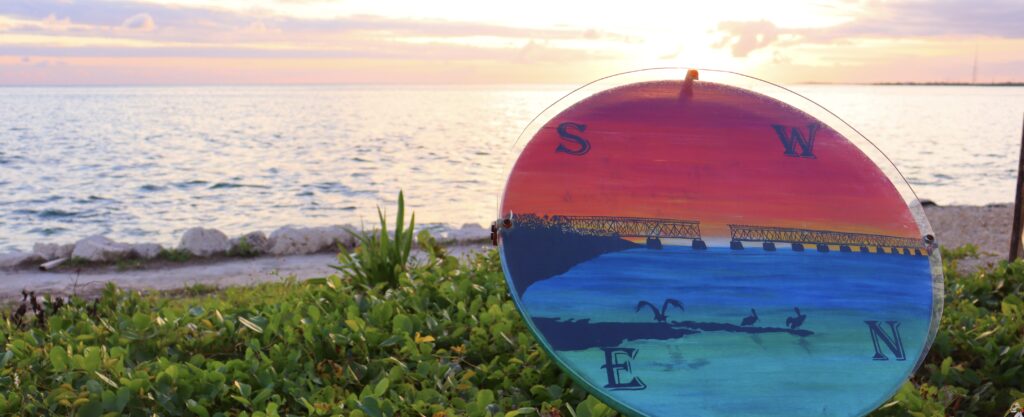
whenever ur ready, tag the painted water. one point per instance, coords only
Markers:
(144, 163)
(830, 372)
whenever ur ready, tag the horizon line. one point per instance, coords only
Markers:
(474, 84)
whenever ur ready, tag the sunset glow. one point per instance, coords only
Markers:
(287, 41)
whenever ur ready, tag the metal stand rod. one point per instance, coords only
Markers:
(1018, 206)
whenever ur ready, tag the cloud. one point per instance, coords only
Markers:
(195, 24)
(51, 22)
(153, 30)
(141, 22)
(378, 49)
(893, 19)
(745, 37)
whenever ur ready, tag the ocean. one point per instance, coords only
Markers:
(142, 164)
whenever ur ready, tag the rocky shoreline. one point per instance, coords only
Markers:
(200, 243)
(987, 227)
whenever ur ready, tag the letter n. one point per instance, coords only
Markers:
(796, 138)
(893, 342)
(616, 360)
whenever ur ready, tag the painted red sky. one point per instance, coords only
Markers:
(713, 158)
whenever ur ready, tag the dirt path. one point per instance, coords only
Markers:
(221, 274)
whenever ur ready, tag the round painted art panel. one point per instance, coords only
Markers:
(708, 248)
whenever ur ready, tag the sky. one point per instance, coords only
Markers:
(75, 42)
(714, 158)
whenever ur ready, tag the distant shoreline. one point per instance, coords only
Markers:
(1002, 84)
(921, 84)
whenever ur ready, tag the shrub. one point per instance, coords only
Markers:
(446, 341)
(174, 255)
(380, 258)
(243, 249)
(449, 341)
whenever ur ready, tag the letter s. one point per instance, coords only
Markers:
(563, 131)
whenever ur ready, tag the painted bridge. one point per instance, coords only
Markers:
(823, 239)
(653, 229)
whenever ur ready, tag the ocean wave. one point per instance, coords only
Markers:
(189, 184)
(47, 231)
(223, 185)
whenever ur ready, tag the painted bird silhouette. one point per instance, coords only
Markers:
(660, 315)
(794, 322)
(751, 319)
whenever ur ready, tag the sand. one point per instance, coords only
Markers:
(987, 227)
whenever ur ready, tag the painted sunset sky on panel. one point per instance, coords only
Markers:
(715, 158)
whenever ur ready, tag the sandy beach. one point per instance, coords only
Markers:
(987, 227)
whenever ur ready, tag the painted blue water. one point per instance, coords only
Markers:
(737, 374)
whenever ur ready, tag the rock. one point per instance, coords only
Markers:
(332, 236)
(204, 242)
(15, 259)
(65, 250)
(147, 250)
(471, 232)
(98, 248)
(290, 240)
(51, 251)
(257, 244)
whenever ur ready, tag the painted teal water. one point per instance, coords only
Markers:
(830, 373)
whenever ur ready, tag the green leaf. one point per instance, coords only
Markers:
(197, 408)
(381, 388)
(58, 358)
(946, 363)
(92, 408)
(92, 358)
(371, 407)
(484, 397)
(355, 324)
(123, 396)
(402, 323)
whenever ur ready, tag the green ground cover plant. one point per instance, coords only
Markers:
(440, 338)
(446, 341)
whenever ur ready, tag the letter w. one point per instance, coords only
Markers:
(795, 138)
(894, 343)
